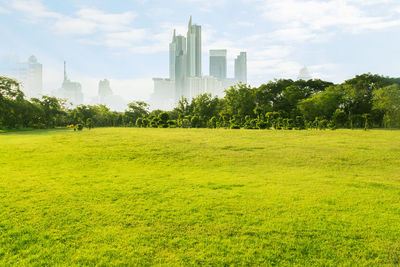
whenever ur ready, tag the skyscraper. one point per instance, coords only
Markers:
(180, 66)
(72, 91)
(31, 76)
(218, 63)
(193, 50)
(172, 55)
(241, 67)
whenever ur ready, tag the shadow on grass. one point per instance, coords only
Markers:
(32, 131)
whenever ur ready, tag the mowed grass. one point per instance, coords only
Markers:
(199, 197)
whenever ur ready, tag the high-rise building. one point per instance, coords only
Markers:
(108, 98)
(241, 67)
(72, 91)
(31, 76)
(218, 63)
(104, 90)
(185, 75)
(193, 50)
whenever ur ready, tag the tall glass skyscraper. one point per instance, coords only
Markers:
(193, 50)
(241, 67)
(218, 63)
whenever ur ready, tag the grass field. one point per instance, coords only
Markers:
(202, 197)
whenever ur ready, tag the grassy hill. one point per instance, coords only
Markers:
(199, 196)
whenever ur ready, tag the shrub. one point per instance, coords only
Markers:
(89, 123)
(139, 122)
(261, 125)
(212, 123)
(196, 121)
(171, 124)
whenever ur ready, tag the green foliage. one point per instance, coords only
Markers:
(163, 119)
(261, 124)
(89, 123)
(387, 100)
(212, 123)
(195, 122)
(281, 104)
(136, 109)
(323, 104)
(239, 101)
(339, 117)
(139, 122)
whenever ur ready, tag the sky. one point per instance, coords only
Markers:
(127, 41)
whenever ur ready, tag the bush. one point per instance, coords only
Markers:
(212, 123)
(89, 123)
(339, 118)
(139, 122)
(171, 124)
(196, 121)
(322, 124)
(262, 125)
(235, 126)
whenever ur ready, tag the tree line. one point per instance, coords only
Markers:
(365, 101)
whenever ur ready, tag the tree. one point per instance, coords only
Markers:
(136, 109)
(387, 99)
(339, 117)
(139, 122)
(240, 101)
(163, 119)
(366, 118)
(212, 123)
(195, 121)
(322, 105)
(89, 123)
(205, 106)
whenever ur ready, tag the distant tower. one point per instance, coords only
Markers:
(304, 74)
(218, 63)
(193, 50)
(71, 91)
(31, 76)
(241, 67)
(104, 89)
(172, 55)
(65, 71)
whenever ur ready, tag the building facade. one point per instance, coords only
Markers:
(241, 67)
(193, 50)
(71, 91)
(30, 74)
(218, 63)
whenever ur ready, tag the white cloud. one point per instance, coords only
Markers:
(34, 9)
(306, 20)
(74, 26)
(86, 20)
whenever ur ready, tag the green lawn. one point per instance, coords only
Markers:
(199, 197)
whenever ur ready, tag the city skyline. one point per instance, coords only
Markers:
(125, 42)
(186, 79)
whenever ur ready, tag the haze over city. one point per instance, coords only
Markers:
(128, 43)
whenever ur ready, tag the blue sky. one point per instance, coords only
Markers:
(126, 41)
